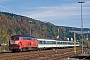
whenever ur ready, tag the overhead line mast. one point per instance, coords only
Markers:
(81, 25)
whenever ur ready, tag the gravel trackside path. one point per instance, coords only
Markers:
(57, 54)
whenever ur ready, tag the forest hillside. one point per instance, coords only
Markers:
(12, 24)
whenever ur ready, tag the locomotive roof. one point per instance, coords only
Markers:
(22, 36)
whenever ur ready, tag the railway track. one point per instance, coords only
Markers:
(40, 55)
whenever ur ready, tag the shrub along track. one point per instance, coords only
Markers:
(57, 54)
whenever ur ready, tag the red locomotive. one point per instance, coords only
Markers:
(18, 42)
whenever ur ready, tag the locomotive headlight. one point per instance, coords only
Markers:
(16, 42)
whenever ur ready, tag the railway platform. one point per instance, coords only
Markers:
(79, 57)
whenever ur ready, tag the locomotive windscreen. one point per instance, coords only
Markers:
(14, 38)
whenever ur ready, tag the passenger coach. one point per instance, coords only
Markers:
(49, 43)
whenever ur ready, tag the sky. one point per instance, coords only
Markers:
(57, 12)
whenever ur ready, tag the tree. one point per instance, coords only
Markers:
(4, 36)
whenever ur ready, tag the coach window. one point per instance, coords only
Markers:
(65, 43)
(61, 43)
(44, 42)
(70, 43)
(47, 42)
(77, 43)
(40, 42)
(50, 42)
(58, 42)
(54, 42)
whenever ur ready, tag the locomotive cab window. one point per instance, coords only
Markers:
(26, 38)
(14, 38)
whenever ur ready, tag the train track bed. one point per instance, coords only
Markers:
(57, 54)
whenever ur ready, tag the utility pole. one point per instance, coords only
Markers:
(58, 37)
(75, 43)
(30, 27)
(81, 25)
